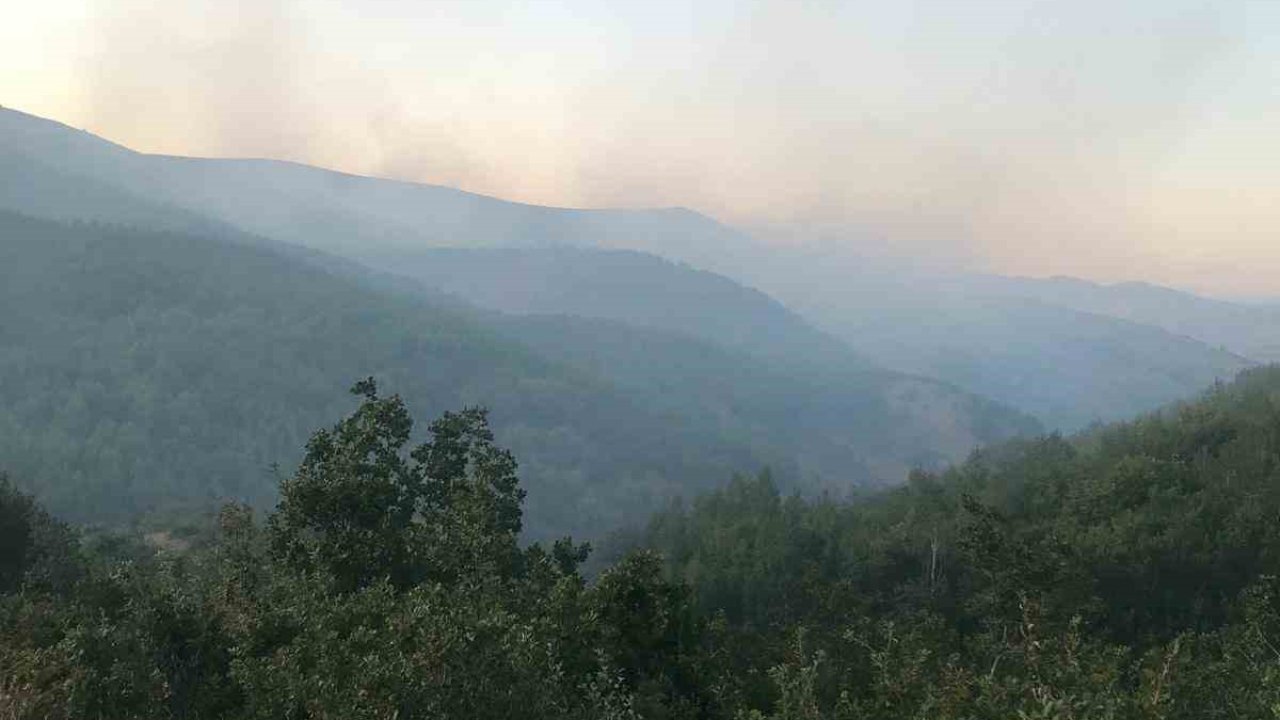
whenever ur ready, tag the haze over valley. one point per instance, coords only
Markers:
(730, 361)
(1065, 352)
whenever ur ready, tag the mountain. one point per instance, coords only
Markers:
(674, 333)
(144, 369)
(631, 287)
(1126, 572)
(150, 369)
(36, 188)
(851, 422)
(1067, 357)
(337, 212)
(1134, 559)
(1067, 363)
(1252, 331)
(1066, 367)
(1153, 525)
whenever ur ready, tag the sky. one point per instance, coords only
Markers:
(1116, 139)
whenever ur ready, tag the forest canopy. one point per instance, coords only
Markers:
(1127, 572)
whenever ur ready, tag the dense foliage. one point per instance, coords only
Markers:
(1126, 573)
(388, 583)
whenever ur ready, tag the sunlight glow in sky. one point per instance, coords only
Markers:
(1114, 140)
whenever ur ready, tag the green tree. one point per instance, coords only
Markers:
(361, 508)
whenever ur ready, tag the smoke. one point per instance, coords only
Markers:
(201, 77)
(1020, 135)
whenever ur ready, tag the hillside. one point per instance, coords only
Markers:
(631, 287)
(1252, 331)
(1150, 526)
(819, 426)
(154, 369)
(1066, 365)
(1066, 358)
(342, 213)
(1129, 572)
(149, 370)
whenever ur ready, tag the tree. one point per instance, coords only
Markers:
(360, 509)
(36, 550)
(351, 508)
(16, 512)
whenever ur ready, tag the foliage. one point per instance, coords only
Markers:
(390, 583)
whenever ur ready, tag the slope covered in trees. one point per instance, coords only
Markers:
(141, 369)
(1067, 365)
(388, 583)
(1125, 573)
(631, 287)
(1067, 361)
(1250, 330)
(821, 421)
(1066, 357)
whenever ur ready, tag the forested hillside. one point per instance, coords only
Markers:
(1067, 363)
(621, 360)
(150, 369)
(1125, 573)
(1068, 356)
(699, 344)
(627, 286)
(996, 337)
(825, 422)
(146, 370)
(1251, 330)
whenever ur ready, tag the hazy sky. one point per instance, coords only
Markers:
(1110, 139)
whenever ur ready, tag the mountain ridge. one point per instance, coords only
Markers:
(159, 368)
(380, 223)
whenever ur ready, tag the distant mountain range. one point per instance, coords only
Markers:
(326, 210)
(1067, 351)
(165, 355)
(627, 286)
(1014, 340)
(1249, 330)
